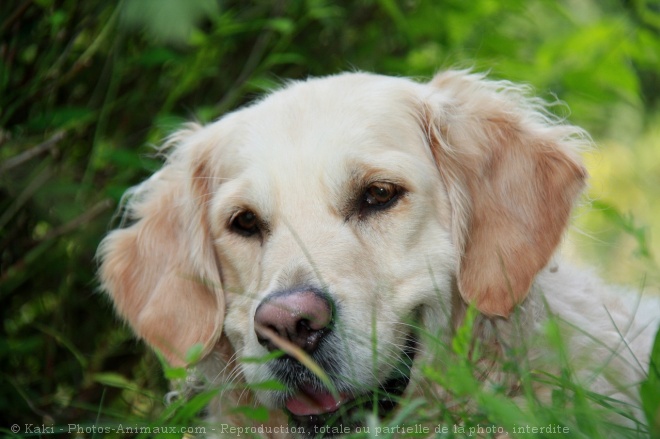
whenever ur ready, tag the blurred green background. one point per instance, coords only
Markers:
(88, 87)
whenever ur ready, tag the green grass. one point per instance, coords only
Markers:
(469, 407)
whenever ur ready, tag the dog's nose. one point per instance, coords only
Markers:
(301, 317)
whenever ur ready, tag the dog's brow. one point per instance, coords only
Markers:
(352, 188)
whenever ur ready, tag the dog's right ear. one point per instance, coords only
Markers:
(161, 272)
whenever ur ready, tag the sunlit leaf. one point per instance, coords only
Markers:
(167, 20)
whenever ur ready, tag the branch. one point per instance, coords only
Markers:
(32, 152)
(78, 221)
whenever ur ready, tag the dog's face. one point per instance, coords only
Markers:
(335, 216)
(331, 231)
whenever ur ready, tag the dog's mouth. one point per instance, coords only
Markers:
(322, 413)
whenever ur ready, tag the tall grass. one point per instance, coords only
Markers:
(455, 402)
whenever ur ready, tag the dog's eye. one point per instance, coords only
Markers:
(379, 196)
(245, 223)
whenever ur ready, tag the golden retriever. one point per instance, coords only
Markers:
(339, 218)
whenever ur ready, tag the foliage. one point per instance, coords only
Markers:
(649, 391)
(87, 87)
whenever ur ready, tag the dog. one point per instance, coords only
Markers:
(329, 225)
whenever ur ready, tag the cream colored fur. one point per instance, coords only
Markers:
(488, 179)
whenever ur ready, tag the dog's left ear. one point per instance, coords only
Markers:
(512, 174)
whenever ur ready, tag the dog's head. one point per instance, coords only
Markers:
(332, 218)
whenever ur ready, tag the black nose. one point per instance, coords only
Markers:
(302, 317)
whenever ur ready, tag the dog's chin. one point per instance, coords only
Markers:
(336, 415)
(321, 413)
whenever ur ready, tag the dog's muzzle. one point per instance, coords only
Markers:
(305, 319)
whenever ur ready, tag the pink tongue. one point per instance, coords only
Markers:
(309, 402)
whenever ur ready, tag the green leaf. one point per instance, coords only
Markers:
(462, 343)
(650, 391)
(175, 373)
(63, 118)
(266, 358)
(194, 354)
(268, 385)
(157, 57)
(121, 157)
(167, 20)
(191, 408)
(627, 224)
(282, 25)
(259, 414)
(113, 379)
